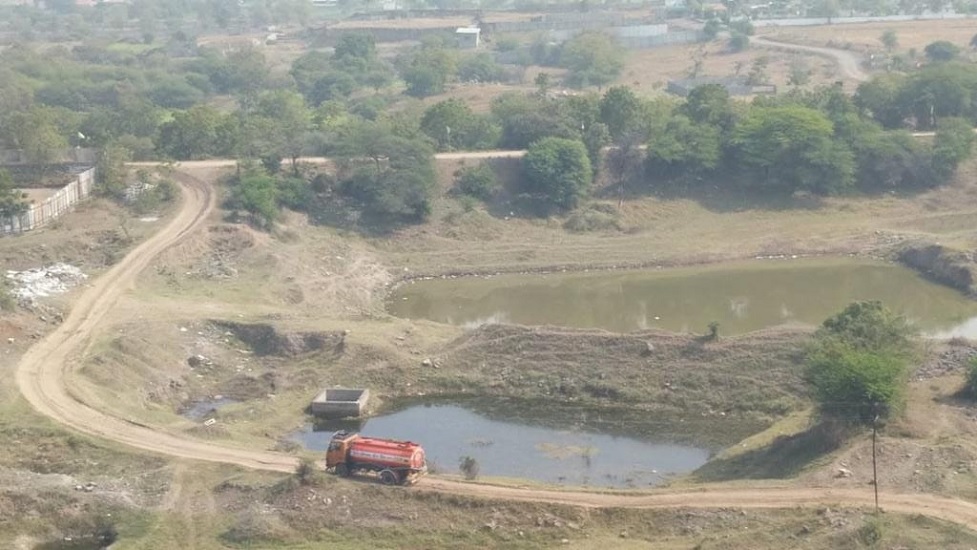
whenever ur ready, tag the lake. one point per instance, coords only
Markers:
(741, 297)
(506, 444)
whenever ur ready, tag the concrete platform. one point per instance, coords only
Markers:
(340, 402)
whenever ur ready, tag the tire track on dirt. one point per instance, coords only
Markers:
(847, 62)
(44, 376)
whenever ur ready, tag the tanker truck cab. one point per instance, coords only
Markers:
(394, 462)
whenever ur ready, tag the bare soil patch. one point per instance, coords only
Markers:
(866, 37)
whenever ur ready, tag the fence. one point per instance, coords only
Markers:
(53, 207)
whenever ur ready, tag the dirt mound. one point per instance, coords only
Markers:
(733, 385)
(264, 339)
(953, 268)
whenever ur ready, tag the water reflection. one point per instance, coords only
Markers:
(741, 297)
(508, 448)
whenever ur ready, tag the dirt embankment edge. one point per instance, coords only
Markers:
(944, 265)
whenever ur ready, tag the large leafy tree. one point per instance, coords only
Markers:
(685, 149)
(858, 363)
(620, 110)
(557, 172)
(191, 134)
(591, 59)
(792, 148)
(954, 142)
(451, 124)
(397, 185)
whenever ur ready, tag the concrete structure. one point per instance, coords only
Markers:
(340, 402)
(468, 37)
(53, 207)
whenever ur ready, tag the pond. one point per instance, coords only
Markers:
(741, 297)
(506, 445)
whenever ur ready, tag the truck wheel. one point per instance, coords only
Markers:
(389, 477)
(342, 470)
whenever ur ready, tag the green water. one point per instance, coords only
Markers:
(742, 297)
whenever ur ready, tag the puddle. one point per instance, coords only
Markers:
(202, 410)
(518, 448)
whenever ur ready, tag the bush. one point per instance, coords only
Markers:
(307, 472)
(738, 41)
(871, 532)
(477, 181)
(592, 219)
(469, 467)
(557, 172)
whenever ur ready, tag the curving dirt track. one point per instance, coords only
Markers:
(848, 62)
(44, 377)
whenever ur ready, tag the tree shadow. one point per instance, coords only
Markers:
(785, 457)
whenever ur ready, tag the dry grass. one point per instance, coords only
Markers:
(649, 70)
(867, 36)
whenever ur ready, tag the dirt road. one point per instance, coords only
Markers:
(45, 374)
(848, 62)
(230, 163)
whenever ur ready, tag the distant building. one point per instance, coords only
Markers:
(468, 37)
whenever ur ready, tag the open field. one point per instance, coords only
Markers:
(866, 37)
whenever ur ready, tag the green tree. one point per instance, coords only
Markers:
(880, 99)
(256, 193)
(11, 203)
(937, 91)
(942, 50)
(858, 363)
(289, 121)
(591, 59)
(356, 45)
(427, 70)
(709, 104)
(543, 84)
(453, 125)
(477, 181)
(792, 148)
(112, 171)
(557, 172)
(191, 134)
(856, 386)
(738, 42)
(869, 326)
(684, 149)
(889, 39)
(620, 110)
(954, 142)
(37, 133)
(398, 185)
(480, 67)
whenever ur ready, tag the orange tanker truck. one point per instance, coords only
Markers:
(396, 462)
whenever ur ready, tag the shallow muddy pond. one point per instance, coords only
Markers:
(519, 449)
(741, 297)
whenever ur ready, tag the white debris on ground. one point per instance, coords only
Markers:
(42, 282)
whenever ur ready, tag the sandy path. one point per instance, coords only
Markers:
(230, 163)
(848, 63)
(44, 377)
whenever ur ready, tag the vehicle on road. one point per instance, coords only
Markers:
(394, 462)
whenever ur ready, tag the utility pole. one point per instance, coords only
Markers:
(875, 474)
